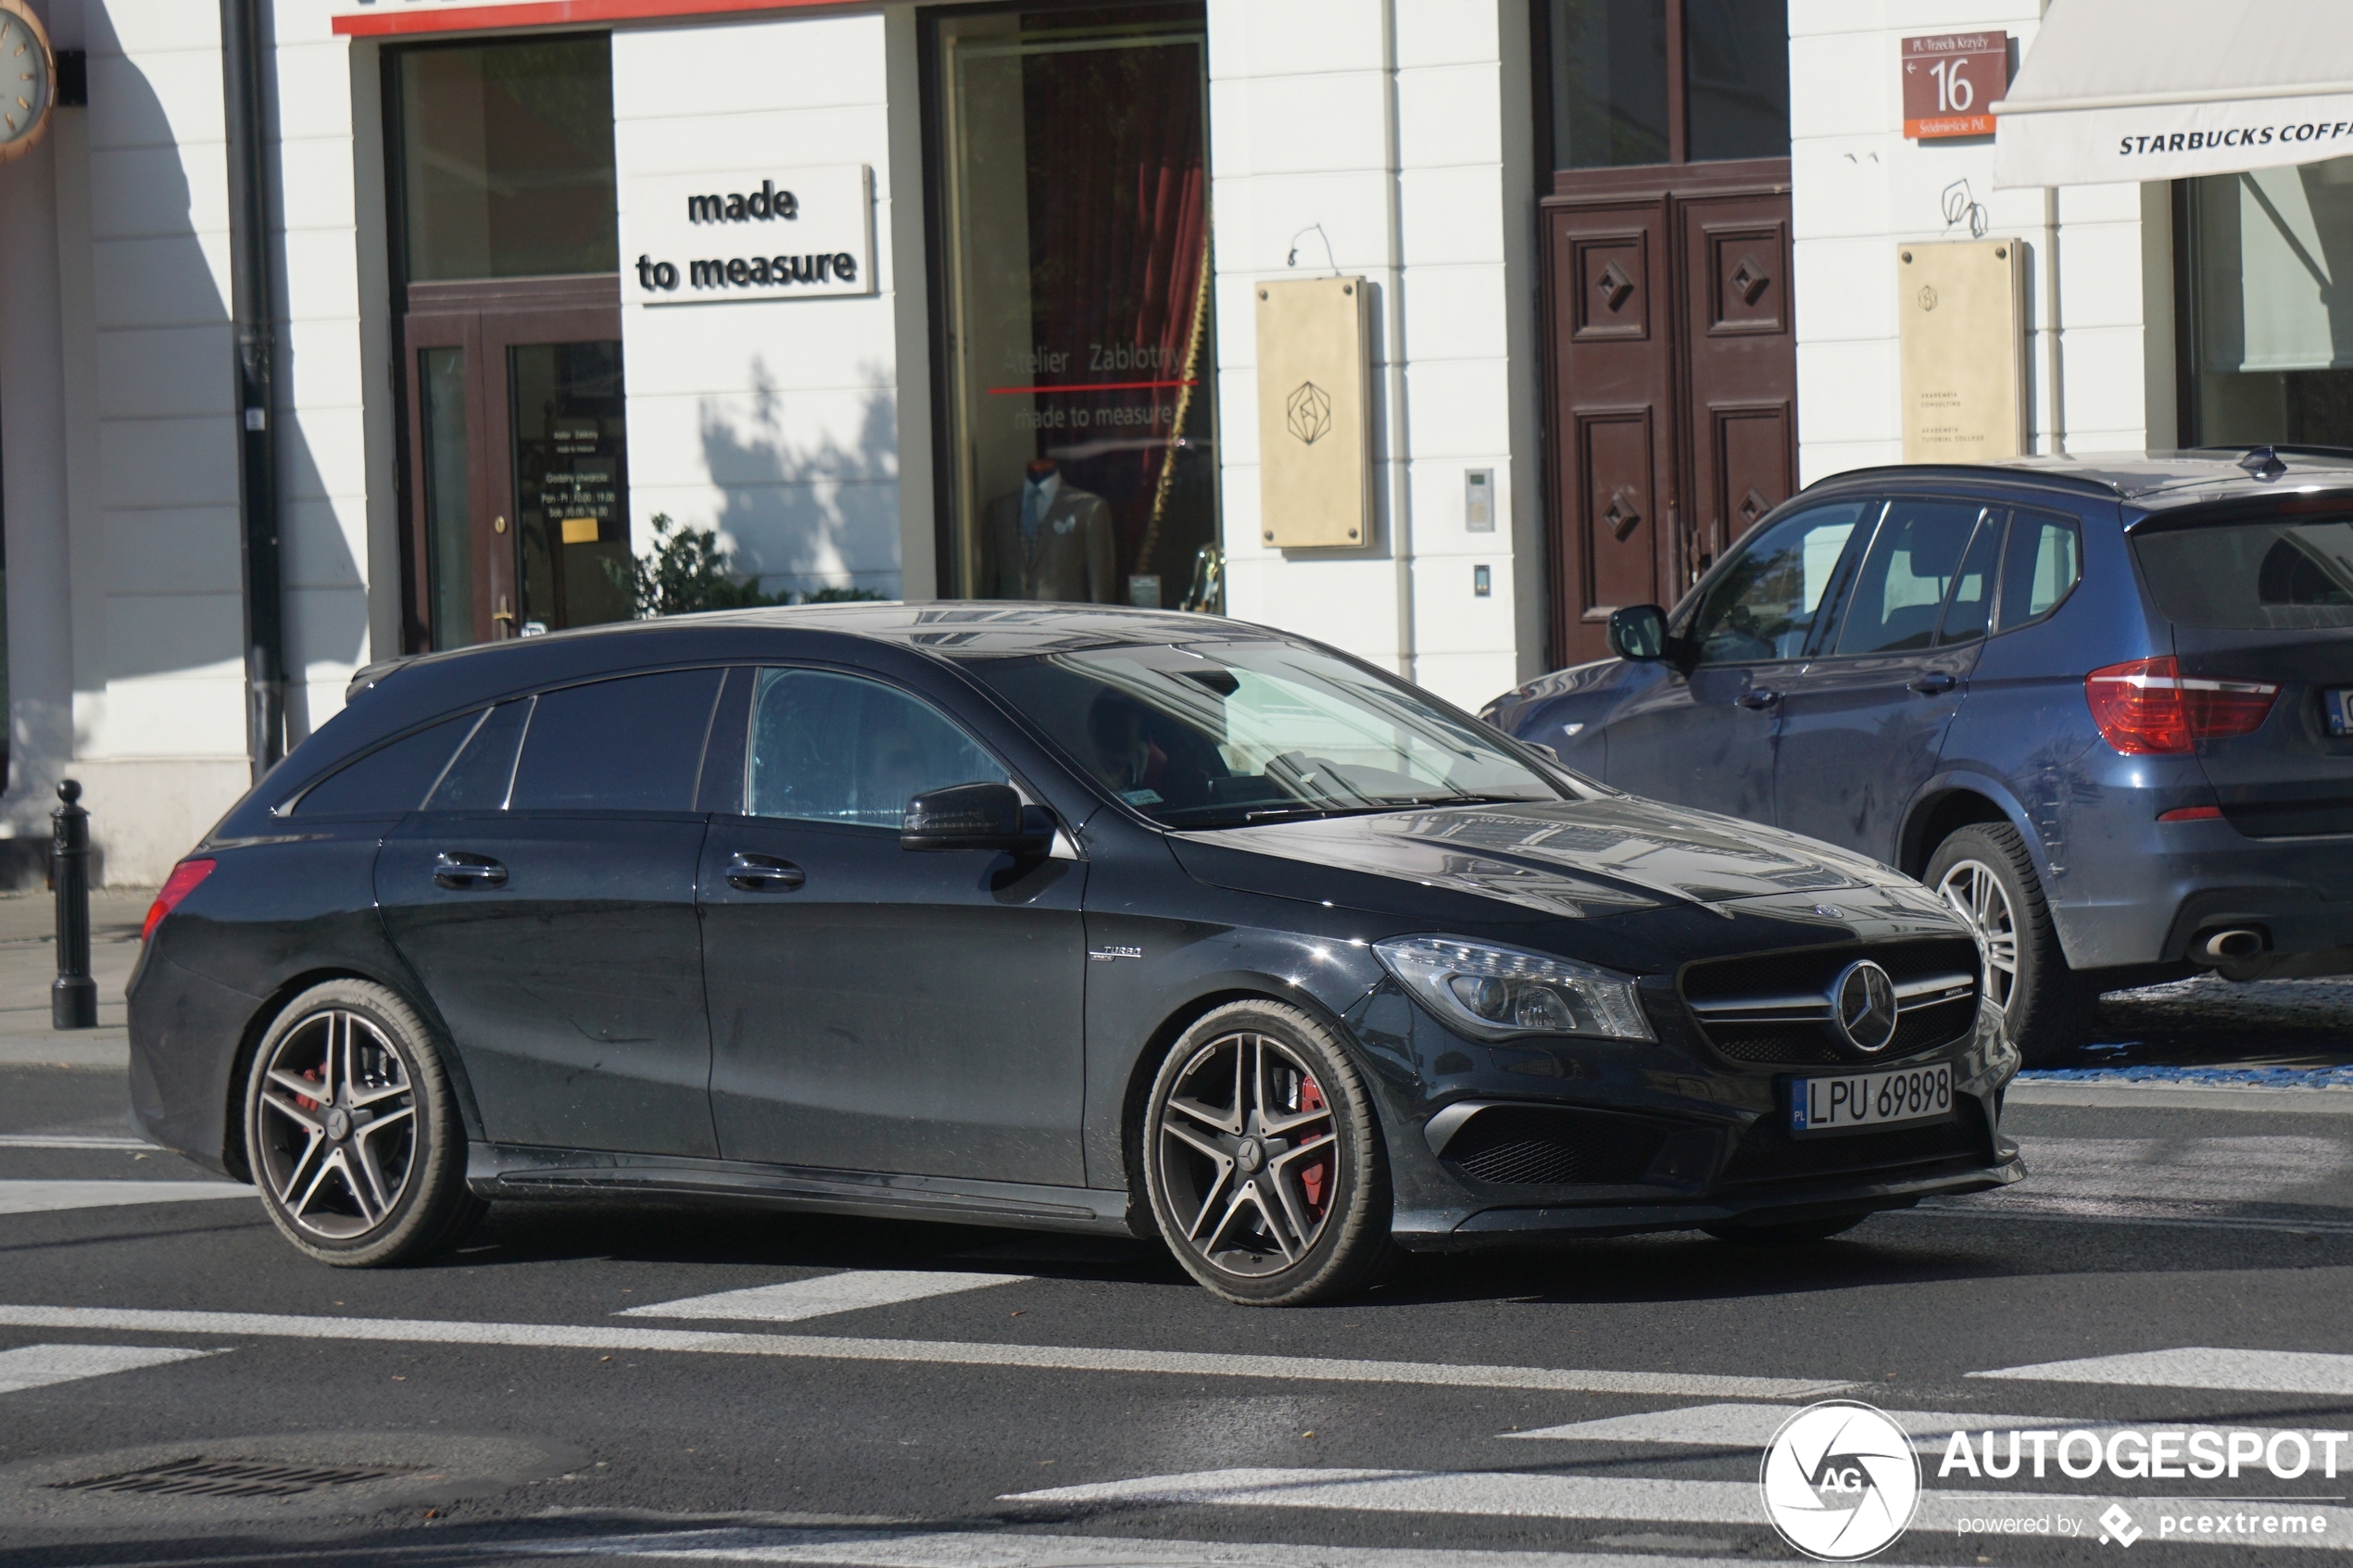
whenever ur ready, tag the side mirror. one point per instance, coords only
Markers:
(973, 816)
(1637, 632)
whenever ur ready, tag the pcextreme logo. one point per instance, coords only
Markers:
(1839, 1481)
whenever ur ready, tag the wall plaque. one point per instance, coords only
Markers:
(1314, 414)
(754, 231)
(1950, 78)
(1961, 306)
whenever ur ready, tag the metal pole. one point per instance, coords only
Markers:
(252, 308)
(73, 1000)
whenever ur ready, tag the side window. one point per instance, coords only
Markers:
(478, 779)
(628, 745)
(1913, 561)
(1970, 610)
(390, 780)
(838, 749)
(1765, 604)
(2043, 562)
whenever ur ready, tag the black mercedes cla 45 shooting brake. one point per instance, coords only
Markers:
(1071, 919)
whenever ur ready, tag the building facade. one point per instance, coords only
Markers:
(964, 302)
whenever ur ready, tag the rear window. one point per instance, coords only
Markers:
(2276, 576)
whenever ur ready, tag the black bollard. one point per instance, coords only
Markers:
(73, 1000)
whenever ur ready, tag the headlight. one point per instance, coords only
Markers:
(1492, 993)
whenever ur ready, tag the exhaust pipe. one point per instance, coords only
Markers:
(2234, 945)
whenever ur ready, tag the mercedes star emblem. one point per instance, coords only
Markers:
(1863, 1005)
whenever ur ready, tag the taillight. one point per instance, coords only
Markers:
(177, 885)
(2148, 706)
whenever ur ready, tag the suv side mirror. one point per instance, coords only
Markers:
(1637, 632)
(974, 816)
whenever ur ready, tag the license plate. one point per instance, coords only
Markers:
(2338, 707)
(1871, 1100)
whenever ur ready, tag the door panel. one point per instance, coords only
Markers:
(1703, 739)
(1743, 367)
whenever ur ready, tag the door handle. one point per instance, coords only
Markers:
(1935, 683)
(763, 873)
(1757, 701)
(465, 872)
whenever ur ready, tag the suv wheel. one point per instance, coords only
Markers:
(352, 1131)
(1985, 874)
(1262, 1159)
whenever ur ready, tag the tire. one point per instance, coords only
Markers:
(371, 1172)
(1985, 874)
(1786, 1236)
(1262, 1159)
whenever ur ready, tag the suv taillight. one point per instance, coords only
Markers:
(177, 885)
(2147, 706)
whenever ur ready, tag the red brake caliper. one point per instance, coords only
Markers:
(1316, 1177)
(311, 1074)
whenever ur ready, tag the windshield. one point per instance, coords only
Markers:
(1223, 735)
(2252, 576)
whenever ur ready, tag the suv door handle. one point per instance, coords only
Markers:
(1757, 701)
(1934, 683)
(458, 870)
(763, 873)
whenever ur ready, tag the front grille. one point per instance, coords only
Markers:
(1544, 1146)
(1769, 1153)
(1808, 972)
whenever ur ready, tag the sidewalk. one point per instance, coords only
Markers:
(28, 964)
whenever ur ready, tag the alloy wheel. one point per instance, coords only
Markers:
(1978, 897)
(1249, 1155)
(337, 1125)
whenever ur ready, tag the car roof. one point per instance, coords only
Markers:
(2150, 481)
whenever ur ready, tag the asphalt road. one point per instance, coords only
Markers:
(582, 1384)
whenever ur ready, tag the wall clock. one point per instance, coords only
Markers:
(28, 80)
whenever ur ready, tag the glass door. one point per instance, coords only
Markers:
(1074, 217)
(519, 461)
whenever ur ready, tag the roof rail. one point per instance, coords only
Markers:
(1982, 473)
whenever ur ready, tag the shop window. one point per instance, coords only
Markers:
(506, 158)
(1652, 81)
(2271, 333)
(1073, 226)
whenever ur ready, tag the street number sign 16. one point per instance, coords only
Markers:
(1949, 80)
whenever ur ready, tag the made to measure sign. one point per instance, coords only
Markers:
(1949, 80)
(748, 233)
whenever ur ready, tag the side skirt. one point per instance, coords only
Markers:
(508, 1171)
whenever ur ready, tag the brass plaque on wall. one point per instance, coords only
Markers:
(1961, 304)
(1314, 414)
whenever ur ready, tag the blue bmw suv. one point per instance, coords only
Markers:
(2105, 706)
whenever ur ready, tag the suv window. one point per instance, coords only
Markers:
(2041, 566)
(1764, 605)
(1968, 613)
(629, 745)
(838, 749)
(1913, 561)
(2271, 576)
(478, 779)
(390, 780)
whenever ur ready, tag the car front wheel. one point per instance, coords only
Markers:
(1984, 873)
(352, 1129)
(1262, 1159)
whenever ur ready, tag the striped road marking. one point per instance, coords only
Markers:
(39, 1197)
(822, 1296)
(1613, 1498)
(2241, 1372)
(946, 1352)
(1752, 1426)
(38, 1366)
(69, 1140)
(910, 1549)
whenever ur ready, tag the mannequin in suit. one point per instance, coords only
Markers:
(1050, 539)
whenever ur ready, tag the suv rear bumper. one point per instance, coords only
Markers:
(2194, 877)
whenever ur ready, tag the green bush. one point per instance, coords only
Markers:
(688, 571)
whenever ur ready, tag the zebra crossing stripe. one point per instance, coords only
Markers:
(2238, 1371)
(38, 1366)
(795, 1299)
(41, 1197)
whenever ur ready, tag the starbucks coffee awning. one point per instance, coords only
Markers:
(2132, 90)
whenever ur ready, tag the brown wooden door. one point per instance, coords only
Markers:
(1672, 384)
(474, 519)
(1741, 413)
(1612, 398)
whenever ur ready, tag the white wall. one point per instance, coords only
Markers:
(1302, 96)
(776, 422)
(1860, 189)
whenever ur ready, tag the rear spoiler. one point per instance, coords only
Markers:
(372, 675)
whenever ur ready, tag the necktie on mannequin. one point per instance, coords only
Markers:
(1036, 495)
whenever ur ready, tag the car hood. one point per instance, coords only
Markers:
(1575, 858)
